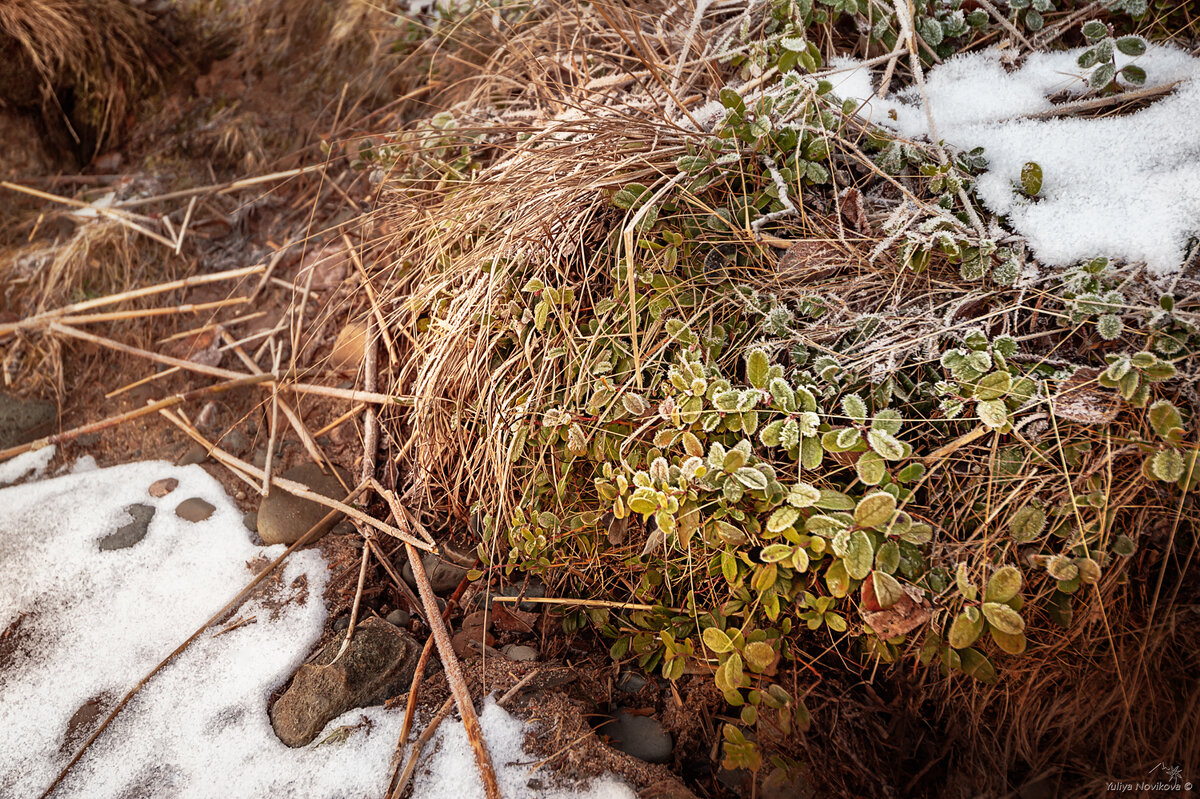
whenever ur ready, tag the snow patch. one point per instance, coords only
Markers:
(33, 462)
(1118, 186)
(84, 626)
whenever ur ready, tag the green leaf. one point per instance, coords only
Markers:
(1031, 178)
(751, 478)
(887, 588)
(837, 580)
(966, 628)
(1102, 75)
(887, 445)
(870, 468)
(1094, 29)
(775, 553)
(757, 366)
(717, 640)
(855, 408)
(875, 510)
(993, 386)
(802, 495)
(975, 664)
(1133, 74)
(630, 196)
(834, 500)
(759, 656)
(1131, 45)
(992, 413)
(1012, 644)
(859, 555)
(782, 519)
(1167, 465)
(1027, 524)
(887, 420)
(769, 435)
(1003, 585)
(1003, 618)
(1164, 418)
(887, 559)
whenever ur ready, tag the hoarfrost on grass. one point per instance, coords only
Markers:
(1124, 186)
(86, 625)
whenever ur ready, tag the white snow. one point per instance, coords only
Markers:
(1118, 186)
(452, 772)
(83, 624)
(33, 462)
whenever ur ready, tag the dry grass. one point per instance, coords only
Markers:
(103, 52)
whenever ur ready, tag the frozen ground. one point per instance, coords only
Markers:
(1120, 186)
(84, 624)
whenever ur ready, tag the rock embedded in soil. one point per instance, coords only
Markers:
(194, 509)
(399, 618)
(24, 420)
(283, 518)
(640, 736)
(160, 488)
(193, 455)
(250, 521)
(131, 533)
(520, 653)
(532, 587)
(444, 573)
(379, 663)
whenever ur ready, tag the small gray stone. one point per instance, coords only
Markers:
(340, 623)
(532, 587)
(24, 420)
(400, 618)
(193, 455)
(519, 653)
(235, 441)
(194, 509)
(379, 663)
(131, 533)
(640, 736)
(444, 573)
(630, 682)
(283, 518)
(250, 521)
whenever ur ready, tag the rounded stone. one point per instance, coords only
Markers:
(250, 521)
(194, 510)
(399, 618)
(131, 533)
(193, 455)
(283, 518)
(519, 653)
(640, 736)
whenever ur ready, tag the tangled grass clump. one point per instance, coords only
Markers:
(700, 343)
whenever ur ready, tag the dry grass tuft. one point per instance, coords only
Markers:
(98, 54)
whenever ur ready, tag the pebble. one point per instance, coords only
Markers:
(640, 736)
(341, 623)
(399, 618)
(284, 518)
(235, 441)
(23, 420)
(160, 488)
(631, 682)
(250, 521)
(532, 587)
(132, 532)
(444, 573)
(519, 653)
(194, 509)
(193, 455)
